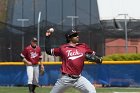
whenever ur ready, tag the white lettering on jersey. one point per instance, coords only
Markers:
(74, 54)
(33, 54)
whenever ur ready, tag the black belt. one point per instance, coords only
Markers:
(72, 76)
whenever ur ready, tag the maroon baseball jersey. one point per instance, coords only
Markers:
(72, 57)
(33, 55)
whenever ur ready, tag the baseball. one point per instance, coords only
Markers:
(51, 30)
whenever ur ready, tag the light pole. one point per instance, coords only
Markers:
(126, 30)
(72, 19)
(22, 24)
(38, 28)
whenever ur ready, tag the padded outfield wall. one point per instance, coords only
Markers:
(109, 73)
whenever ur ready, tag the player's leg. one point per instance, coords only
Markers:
(30, 77)
(35, 77)
(84, 85)
(61, 85)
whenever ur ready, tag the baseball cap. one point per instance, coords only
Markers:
(34, 39)
(70, 33)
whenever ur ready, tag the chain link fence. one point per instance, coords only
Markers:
(19, 23)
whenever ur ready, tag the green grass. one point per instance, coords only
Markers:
(70, 90)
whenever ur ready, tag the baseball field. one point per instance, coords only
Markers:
(6, 89)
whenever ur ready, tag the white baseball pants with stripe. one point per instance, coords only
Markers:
(81, 83)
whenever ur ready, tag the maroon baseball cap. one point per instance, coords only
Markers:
(70, 33)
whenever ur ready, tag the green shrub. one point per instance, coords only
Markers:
(122, 57)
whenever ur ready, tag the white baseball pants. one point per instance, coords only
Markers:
(81, 83)
(33, 74)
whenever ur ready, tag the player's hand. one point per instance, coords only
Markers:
(42, 70)
(28, 63)
(42, 67)
(49, 31)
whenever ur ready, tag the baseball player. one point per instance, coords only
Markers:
(73, 54)
(31, 56)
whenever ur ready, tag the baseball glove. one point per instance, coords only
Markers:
(41, 72)
(94, 58)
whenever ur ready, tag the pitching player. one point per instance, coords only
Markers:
(31, 56)
(73, 55)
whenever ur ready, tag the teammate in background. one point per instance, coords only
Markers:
(31, 56)
(73, 55)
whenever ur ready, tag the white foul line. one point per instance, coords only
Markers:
(126, 92)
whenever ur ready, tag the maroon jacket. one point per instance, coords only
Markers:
(33, 55)
(72, 57)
